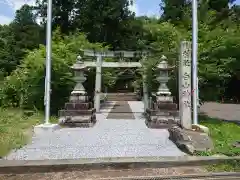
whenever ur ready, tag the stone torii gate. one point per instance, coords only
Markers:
(99, 64)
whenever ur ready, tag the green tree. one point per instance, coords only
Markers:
(235, 13)
(174, 10)
(25, 86)
(27, 33)
(63, 12)
(222, 9)
(6, 47)
(219, 5)
(104, 21)
(21, 35)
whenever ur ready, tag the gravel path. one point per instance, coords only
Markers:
(113, 138)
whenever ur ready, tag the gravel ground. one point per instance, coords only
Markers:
(108, 138)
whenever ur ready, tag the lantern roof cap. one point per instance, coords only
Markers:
(163, 65)
(163, 58)
(79, 65)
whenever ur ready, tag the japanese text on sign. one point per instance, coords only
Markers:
(185, 85)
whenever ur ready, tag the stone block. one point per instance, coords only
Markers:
(190, 141)
(76, 112)
(200, 128)
(151, 125)
(78, 106)
(155, 112)
(81, 125)
(79, 110)
(159, 119)
(164, 99)
(78, 121)
(159, 124)
(166, 106)
(79, 98)
(81, 119)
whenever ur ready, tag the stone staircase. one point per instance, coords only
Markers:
(122, 96)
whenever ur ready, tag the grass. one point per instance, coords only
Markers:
(223, 134)
(15, 128)
(228, 166)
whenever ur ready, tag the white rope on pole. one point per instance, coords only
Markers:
(48, 62)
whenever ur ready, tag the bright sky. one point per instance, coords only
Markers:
(141, 7)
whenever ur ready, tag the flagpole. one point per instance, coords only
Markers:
(48, 62)
(194, 60)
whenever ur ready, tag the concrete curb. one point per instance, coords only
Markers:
(21, 167)
(212, 176)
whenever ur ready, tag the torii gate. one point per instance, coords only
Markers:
(99, 63)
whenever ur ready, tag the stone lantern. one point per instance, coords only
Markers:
(79, 110)
(163, 93)
(163, 113)
(78, 93)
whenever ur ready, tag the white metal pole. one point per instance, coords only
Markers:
(98, 83)
(194, 60)
(48, 62)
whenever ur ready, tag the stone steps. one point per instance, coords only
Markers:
(122, 97)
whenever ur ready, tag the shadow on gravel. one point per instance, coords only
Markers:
(106, 105)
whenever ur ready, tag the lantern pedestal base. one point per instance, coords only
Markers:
(163, 114)
(78, 112)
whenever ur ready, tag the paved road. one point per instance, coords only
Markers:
(108, 138)
(228, 112)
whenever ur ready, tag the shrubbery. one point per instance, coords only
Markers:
(25, 86)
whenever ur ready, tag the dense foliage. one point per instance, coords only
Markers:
(21, 35)
(25, 86)
(80, 24)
